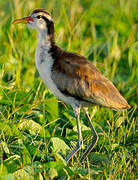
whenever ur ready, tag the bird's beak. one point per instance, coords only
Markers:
(23, 20)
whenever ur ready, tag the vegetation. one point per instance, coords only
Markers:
(37, 130)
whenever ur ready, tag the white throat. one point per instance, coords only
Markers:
(44, 40)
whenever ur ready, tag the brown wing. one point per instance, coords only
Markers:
(79, 78)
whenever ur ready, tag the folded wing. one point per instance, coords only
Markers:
(76, 76)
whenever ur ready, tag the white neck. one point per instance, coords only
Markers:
(44, 40)
(44, 63)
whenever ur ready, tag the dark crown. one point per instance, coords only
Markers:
(40, 10)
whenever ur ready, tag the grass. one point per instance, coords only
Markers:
(36, 129)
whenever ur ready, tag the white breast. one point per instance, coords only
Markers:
(44, 63)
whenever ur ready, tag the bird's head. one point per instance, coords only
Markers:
(40, 20)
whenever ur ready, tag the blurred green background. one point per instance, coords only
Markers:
(37, 130)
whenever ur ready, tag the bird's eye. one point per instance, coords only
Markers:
(38, 17)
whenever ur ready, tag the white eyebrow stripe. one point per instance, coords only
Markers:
(48, 17)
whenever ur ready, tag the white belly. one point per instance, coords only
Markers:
(44, 69)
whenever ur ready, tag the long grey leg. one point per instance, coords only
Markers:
(94, 139)
(80, 141)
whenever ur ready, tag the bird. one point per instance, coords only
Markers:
(71, 77)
